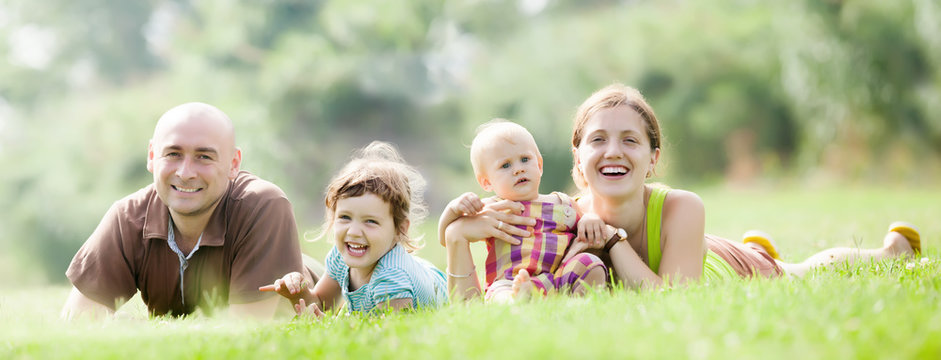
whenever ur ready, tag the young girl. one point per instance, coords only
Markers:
(507, 161)
(369, 206)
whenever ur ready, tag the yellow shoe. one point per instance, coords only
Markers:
(762, 239)
(910, 232)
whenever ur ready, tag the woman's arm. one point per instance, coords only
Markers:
(631, 269)
(683, 232)
(463, 283)
(494, 221)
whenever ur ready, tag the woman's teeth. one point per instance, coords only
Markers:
(613, 170)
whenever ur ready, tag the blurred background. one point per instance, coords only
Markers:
(751, 94)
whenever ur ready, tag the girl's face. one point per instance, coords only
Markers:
(364, 230)
(614, 156)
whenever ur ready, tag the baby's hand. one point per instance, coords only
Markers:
(466, 204)
(592, 229)
(292, 286)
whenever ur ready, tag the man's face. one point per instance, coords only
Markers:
(192, 157)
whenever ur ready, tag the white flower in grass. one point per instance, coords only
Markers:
(925, 260)
(910, 265)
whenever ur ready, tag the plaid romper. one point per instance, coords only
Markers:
(541, 254)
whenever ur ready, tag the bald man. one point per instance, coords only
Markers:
(204, 235)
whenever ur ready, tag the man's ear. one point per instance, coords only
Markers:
(236, 163)
(150, 156)
(484, 182)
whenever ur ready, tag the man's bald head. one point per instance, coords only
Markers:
(193, 156)
(192, 112)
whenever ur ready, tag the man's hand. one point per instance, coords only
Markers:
(78, 305)
(260, 310)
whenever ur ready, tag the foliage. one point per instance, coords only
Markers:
(878, 310)
(745, 90)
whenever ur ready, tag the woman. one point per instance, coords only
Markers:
(616, 147)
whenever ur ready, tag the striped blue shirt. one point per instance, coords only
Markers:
(397, 275)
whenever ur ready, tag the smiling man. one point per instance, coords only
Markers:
(203, 235)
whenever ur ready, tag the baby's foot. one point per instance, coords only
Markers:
(522, 286)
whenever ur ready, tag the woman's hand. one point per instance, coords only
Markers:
(499, 220)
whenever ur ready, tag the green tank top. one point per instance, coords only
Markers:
(714, 267)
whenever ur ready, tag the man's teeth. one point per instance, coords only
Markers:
(613, 170)
(186, 190)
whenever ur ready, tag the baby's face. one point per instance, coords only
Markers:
(512, 171)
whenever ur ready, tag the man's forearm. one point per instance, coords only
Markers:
(77, 305)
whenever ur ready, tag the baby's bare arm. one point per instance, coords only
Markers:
(466, 204)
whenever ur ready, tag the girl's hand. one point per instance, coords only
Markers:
(292, 286)
(309, 312)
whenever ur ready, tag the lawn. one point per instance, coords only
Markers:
(878, 310)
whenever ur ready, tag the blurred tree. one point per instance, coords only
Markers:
(742, 88)
(862, 84)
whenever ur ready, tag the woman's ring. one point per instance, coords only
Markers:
(500, 225)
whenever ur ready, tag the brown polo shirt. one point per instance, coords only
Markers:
(250, 241)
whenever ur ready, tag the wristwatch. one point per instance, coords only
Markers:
(619, 235)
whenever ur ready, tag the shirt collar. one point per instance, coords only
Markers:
(157, 220)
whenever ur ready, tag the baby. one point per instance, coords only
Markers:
(507, 162)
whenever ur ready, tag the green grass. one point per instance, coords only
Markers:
(875, 311)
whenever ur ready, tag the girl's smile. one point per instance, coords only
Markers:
(364, 231)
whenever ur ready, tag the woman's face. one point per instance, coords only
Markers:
(614, 156)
